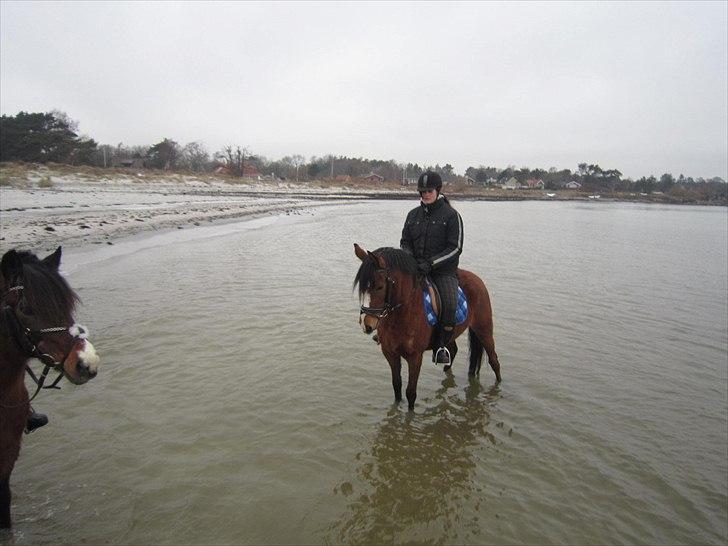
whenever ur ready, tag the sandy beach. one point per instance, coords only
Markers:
(42, 208)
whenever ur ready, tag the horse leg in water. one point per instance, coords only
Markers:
(5, 503)
(489, 345)
(481, 337)
(414, 363)
(395, 364)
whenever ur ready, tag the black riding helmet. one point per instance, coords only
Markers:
(429, 181)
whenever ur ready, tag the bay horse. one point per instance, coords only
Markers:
(389, 277)
(36, 321)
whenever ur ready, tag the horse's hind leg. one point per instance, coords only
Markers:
(482, 338)
(489, 344)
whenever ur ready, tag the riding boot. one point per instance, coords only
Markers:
(441, 355)
(35, 420)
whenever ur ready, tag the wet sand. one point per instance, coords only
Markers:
(40, 212)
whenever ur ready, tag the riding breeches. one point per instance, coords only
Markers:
(447, 286)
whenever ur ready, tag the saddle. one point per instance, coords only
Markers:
(432, 303)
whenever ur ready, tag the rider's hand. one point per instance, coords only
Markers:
(424, 267)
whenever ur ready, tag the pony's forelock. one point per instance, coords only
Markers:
(395, 259)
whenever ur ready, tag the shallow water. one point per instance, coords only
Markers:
(239, 402)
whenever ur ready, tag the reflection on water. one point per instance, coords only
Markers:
(412, 485)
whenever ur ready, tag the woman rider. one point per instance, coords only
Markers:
(433, 234)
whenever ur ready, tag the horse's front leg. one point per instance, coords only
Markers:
(5, 503)
(395, 364)
(414, 363)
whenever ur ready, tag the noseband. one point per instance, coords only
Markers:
(28, 340)
(389, 305)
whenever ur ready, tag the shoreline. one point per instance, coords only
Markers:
(97, 218)
(42, 207)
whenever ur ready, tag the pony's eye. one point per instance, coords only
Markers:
(25, 309)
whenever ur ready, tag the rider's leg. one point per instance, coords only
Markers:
(447, 286)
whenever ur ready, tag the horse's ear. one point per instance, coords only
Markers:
(11, 265)
(378, 260)
(53, 260)
(360, 252)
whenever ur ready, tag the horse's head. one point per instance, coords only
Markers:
(377, 278)
(37, 311)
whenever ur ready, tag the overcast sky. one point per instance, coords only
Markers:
(640, 87)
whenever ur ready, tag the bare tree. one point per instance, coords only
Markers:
(195, 156)
(233, 158)
(298, 161)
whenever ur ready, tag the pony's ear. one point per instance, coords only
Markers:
(378, 260)
(53, 260)
(360, 252)
(11, 265)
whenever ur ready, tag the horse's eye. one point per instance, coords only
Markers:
(25, 309)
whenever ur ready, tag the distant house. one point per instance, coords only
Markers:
(470, 181)
(573, 185)
(250, 171)
(511, 184)
(534, 184)
(374, 177)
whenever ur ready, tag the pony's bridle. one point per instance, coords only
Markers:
(389, 306)
(29, 339)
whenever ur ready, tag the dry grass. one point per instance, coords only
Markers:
(45, 182)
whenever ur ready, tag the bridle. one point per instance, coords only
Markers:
(29, 339)
(389, 306)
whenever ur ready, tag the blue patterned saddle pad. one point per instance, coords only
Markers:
(460, 314)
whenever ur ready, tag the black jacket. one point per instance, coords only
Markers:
(434, 233)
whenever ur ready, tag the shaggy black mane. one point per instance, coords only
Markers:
(46, 292)
(395, 258)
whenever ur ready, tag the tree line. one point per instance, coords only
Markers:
(53, 137)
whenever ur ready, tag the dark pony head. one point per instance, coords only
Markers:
(45, 293)
(390, 258)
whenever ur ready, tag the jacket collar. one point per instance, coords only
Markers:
(439, 202)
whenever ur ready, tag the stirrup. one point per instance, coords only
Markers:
(442, 356)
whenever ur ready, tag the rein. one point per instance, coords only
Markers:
(28, 339)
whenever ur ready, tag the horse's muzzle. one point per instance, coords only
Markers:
(84, 366)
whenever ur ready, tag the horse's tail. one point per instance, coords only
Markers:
(476, 352)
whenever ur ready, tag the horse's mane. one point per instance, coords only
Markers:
(45, 290)
(395, 258)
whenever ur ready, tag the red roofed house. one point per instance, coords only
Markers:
(250, 171)
(374, 177)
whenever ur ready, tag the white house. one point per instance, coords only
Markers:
(511, 184)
